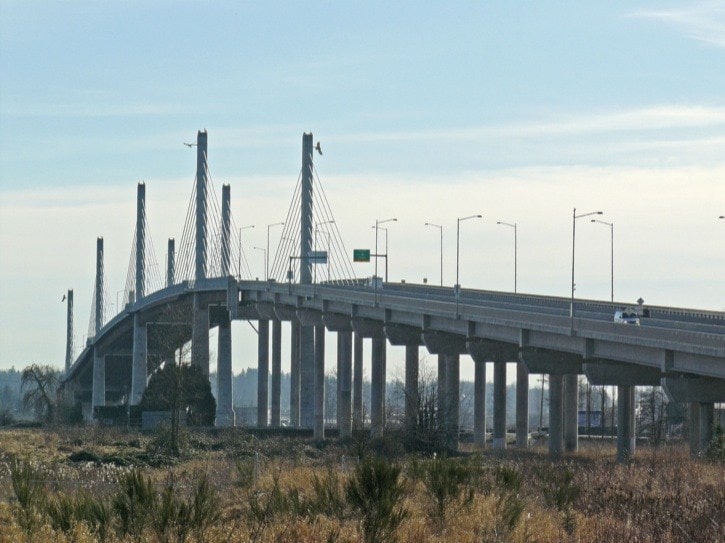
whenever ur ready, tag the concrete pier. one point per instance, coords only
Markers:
(522, 405)
(556, 415)
(707, 421)
(69, 330)
(377, 387)
(276, 404)
(344, 379)
(499, 405)
(224, 406)
(200, 334)
(138, 357)
(319, 428)
(357, 381)
(262, 372)
(479, 404)
(453, 395)
(625, 424)
(571, 412)
(412, 400)
(294, 398)
(99, 378)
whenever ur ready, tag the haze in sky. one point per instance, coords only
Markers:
(518, 111)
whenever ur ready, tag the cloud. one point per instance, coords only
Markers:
(704, 22)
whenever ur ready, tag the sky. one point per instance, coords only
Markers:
(426, 112)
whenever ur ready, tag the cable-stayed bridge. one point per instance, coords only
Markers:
(207, 283)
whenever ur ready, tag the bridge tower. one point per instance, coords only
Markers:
(69, 330)
(307, 333)
(200, 321)
(98, 394)
(225, 411)
(171, 262)
(139, 365)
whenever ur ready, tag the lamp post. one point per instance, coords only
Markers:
(457, 287)
(377, 227)
(573, 249)
(240, 247)
(611, 245)
(265, 257)
(516, 250)
(317, 225)
(439, 227)
(266, 253)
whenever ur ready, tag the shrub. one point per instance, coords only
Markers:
(374, 491)
(445, 481)
(135, 502)
(29, 493)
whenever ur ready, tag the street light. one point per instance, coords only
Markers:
(317, 225)
(377, 227)
(265, 258)
(573, 249)
(458, 244)
(266, 253)
(611, 227)
(439, 227)
(516, 250)
(240, 247)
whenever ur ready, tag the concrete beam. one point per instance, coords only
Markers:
(403, 335)
(486, 350)
(689, 388)
(266, 310)
(550, 362)
(367, 328)
(309, 317)
(336, 322)
(285, 312)
(444, 343)
(612, 373)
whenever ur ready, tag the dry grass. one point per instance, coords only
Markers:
(663, 497)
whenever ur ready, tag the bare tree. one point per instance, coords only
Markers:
(40, 384)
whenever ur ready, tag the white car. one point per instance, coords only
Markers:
(626, 316)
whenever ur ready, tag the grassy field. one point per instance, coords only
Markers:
(227, 486)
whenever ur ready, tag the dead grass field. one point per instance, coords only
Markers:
(291, 490)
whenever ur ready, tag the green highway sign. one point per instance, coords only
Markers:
(361, 255)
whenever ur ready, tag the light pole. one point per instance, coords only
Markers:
(266, 253)
(240, 247)
(377, 227)
(328, 242)
(457, 287)
(516, 250)
(439, 227)
(265, 257)
(574, 217)
(611, 245)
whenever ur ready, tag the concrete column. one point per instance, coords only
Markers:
(262, 372)
(411, 388)
(499, 405)
(344, 378)
(140, 241)
(522, 405)
(138, 360)
(224, 396)
(377, 390)
(200, 247)
(625, 426)
(694, 428)
(98, 393)
(707, 422)
(276, 372)
(442, 399)
(226, 231)
(319, 428)
(571, 412)
(479, 404)
(294, 397)
(556, 415)
(200, 335)
(453, 394)
(69, 331)
(307, 376)
(357, 381)
(170, 262)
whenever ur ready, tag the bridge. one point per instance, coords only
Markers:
(682, 350)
